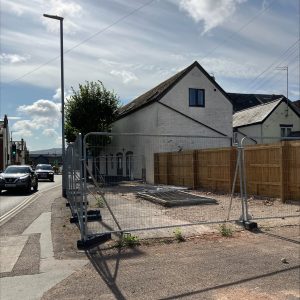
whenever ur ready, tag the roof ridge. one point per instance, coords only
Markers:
(255, 106)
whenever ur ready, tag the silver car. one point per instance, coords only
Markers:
(18, 177)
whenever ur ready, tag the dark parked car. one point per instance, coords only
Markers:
(44, 171)
(18, 177)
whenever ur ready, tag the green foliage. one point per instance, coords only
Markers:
(225, 230)
(178, 235)
(128, 240)
(99, 201)
(91, 108)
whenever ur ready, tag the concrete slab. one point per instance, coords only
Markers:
(10, 250)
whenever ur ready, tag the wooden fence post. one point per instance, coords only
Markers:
(156, 168)
(194, 168)
(283, 171)
(168, 167)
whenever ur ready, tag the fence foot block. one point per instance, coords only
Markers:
(249, 225)
(92, 215)
(83, 204)
(93, 240)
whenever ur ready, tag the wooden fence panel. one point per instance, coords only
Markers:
(214, 169)
(271, 170)
(263, 170)
(161, 168)
(291, 172)
(180, 168)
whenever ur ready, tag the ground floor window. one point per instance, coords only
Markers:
(129, 164)
(120, 164)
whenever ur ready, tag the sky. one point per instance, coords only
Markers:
(131, 46)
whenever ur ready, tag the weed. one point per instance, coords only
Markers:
(128, 240)
(225, 230)
(178, 235)
(99, 201)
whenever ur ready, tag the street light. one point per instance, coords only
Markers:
(62, 98)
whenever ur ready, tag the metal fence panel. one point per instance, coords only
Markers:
(122, 183)
(155, 183)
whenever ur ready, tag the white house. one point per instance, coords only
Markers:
(190, 103)
(267, 123)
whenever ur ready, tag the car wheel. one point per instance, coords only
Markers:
(28, 188)
(52, 179)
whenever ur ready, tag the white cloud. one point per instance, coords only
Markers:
(229, 68)
(50, 132)
(57, 95)
(41, 108)
(18, 7)
(13, 58)
(126, 76)
(58, 141)
(13, 118)
(43, 113)
(23, 128)
(69, 10)
(211, 13)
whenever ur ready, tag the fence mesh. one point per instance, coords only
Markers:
(144, 191)
(142, 182)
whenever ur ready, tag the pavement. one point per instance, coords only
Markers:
(39, 260)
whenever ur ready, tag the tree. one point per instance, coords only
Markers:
(91, 108)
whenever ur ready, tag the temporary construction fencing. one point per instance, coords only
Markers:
(116, 185)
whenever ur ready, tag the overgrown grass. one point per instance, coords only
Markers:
(128, 240)
(226, 230)
(178, 235)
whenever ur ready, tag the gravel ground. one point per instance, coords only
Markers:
(133, 212)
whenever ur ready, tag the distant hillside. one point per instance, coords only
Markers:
(57, 151)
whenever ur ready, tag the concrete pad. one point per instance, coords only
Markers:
(10, 250)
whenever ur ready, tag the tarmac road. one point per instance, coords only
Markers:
(10, 200)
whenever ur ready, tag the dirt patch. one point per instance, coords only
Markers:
(248, 266)
(64, 234)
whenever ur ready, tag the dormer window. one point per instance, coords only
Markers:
(196, 97)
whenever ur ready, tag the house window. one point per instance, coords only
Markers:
(111, 161)
(120, 164)
(285, 130)
(196, 97)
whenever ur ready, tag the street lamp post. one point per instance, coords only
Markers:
(62, 99)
